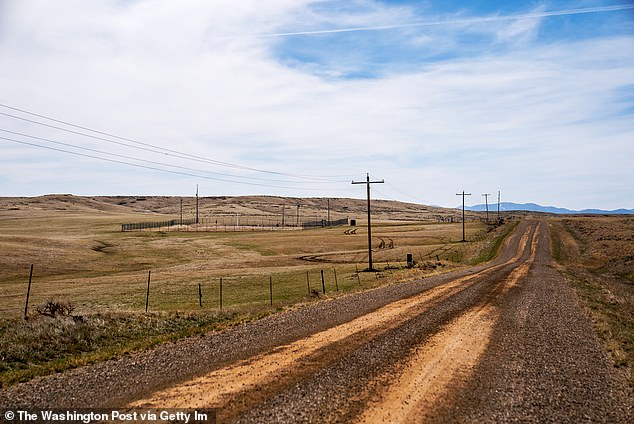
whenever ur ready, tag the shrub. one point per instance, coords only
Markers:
(53, 309)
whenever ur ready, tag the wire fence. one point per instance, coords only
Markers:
(235, 222)
(152, 291)
(137, 226)
(324, 223)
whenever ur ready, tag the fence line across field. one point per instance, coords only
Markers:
(152, 292)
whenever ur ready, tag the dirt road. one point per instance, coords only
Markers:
(502, 342)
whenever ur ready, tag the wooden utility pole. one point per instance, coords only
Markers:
(486, 200)
(329, 212)
(147, 295)
(28, 293)
(368, 182)
(196, 203)
(498, 206)
(463, 194)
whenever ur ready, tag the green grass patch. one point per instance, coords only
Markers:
(492, 246)
(606, 297)
(613, 322)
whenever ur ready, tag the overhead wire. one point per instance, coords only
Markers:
(405, 193)
(159, 169)
(140, 145)
(160, 166)
(149, 161)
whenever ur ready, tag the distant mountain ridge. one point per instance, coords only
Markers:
(533, 207)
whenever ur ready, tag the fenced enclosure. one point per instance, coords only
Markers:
(137, 226)
(324, 223)
(236, 222)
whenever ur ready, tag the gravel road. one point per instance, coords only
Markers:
(506, 341)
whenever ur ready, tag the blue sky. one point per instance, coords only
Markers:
(297, 98)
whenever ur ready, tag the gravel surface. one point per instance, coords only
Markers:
(546, 363)
(543, 362)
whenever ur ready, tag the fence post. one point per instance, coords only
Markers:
(336, 282)
(271, 288)
(308, 282)
(147, 295)
(323, 284)
(200, 295)
(28, 293)
(220, 294)
(358, 278)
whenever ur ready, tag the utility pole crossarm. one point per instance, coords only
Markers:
(368, 182)
(371, 182)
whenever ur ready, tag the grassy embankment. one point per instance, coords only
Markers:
(597, 256)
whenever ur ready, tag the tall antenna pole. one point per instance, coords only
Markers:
(368, 182)
(486, 200)
(463, 194)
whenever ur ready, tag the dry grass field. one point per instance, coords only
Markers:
(82, 258)
(80, 254)
(597, 256)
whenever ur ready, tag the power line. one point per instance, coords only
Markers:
(149, 161)
(188, 174)
(403, 192)
(146, 146)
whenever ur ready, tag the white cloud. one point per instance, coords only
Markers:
(193, 77)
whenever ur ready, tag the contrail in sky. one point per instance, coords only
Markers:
(599, 9)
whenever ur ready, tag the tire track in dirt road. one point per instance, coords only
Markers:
(240, 387)
(448, 356)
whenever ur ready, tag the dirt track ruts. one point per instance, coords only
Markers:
(501, 342)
